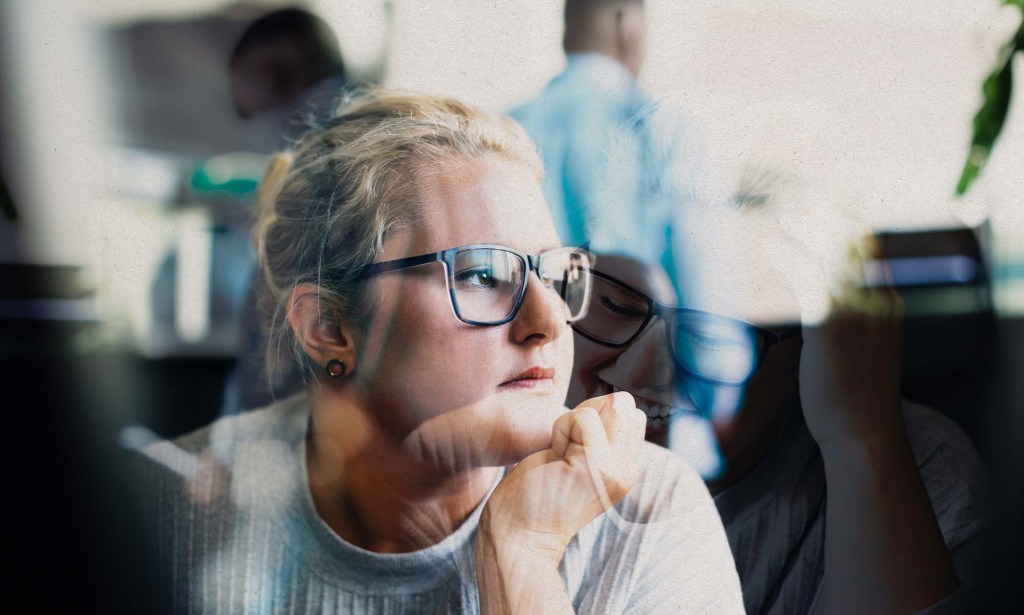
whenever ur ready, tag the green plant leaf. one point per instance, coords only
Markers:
(988, 122)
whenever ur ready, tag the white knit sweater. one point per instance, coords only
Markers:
(260, 547)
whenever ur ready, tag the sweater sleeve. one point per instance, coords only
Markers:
(663, 549)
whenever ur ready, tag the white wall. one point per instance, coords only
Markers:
(872, 97)
(875, 96)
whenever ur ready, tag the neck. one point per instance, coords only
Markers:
(744, 462)
(371, 492)
(595, 50)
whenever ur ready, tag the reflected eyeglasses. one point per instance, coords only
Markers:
(708, 346)
(487, 283)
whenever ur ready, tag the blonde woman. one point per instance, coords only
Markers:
(414, 272)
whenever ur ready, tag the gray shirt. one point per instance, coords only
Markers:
(775, 516)
(252, 542)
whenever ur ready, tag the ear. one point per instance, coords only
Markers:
(629, 36)
(320, 340)
(622, 37)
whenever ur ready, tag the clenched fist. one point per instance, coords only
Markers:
(552, 494)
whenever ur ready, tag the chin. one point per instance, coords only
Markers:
(521, 429)
(499, 432)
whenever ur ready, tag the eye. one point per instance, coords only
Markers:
(621, 309)
(712, 342)
(478, 277)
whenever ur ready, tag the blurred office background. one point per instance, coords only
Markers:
(130, 179)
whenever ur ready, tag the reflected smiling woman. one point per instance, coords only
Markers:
(818, 468)
(413, 272)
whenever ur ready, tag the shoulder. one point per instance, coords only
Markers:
(281, 421)
(672, 505)
(568, 101)
(667, 481)
(929, 430)
(668, 491)
(666, 537)
(937, 441)
(248, 448)
(951, 469)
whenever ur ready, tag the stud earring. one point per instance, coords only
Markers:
(336, 368)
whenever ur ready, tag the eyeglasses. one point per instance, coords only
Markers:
(487, 283)
(713, 348)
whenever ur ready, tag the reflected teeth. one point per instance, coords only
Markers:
(658, 415)
(655, 410)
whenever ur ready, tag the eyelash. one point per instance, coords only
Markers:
(482, 272)
(707, 342)
(712, 343)
(611, 306)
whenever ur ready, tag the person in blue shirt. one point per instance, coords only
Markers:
(591, 125)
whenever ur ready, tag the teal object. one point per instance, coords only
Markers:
(236, 174)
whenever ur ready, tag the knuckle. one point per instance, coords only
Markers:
(636, 418)
(622, 401)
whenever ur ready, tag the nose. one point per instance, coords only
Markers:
(542, 315)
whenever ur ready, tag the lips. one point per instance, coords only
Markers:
(534, 377)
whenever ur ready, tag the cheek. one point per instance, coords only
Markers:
(419, 361)
(467, 421)
(565, 351)
(434, 370)
(436, 365)
(432, 383)
(589, 358)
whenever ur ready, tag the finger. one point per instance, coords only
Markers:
(589, 431)
(612, 408)
(561, 434)
(628, 422)
(582, 426)
(612, 464)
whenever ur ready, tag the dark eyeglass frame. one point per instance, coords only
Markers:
(532, 261)
(668, 313)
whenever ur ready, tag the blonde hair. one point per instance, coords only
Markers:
(326, 208)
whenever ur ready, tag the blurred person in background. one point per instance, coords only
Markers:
(595, 101)
(287, 76)
(837, 496)
(416, 279)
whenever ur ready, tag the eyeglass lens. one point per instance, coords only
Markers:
(567, 270)
(615, 314)
(488, 282)
(704, 344)
(717, 349)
